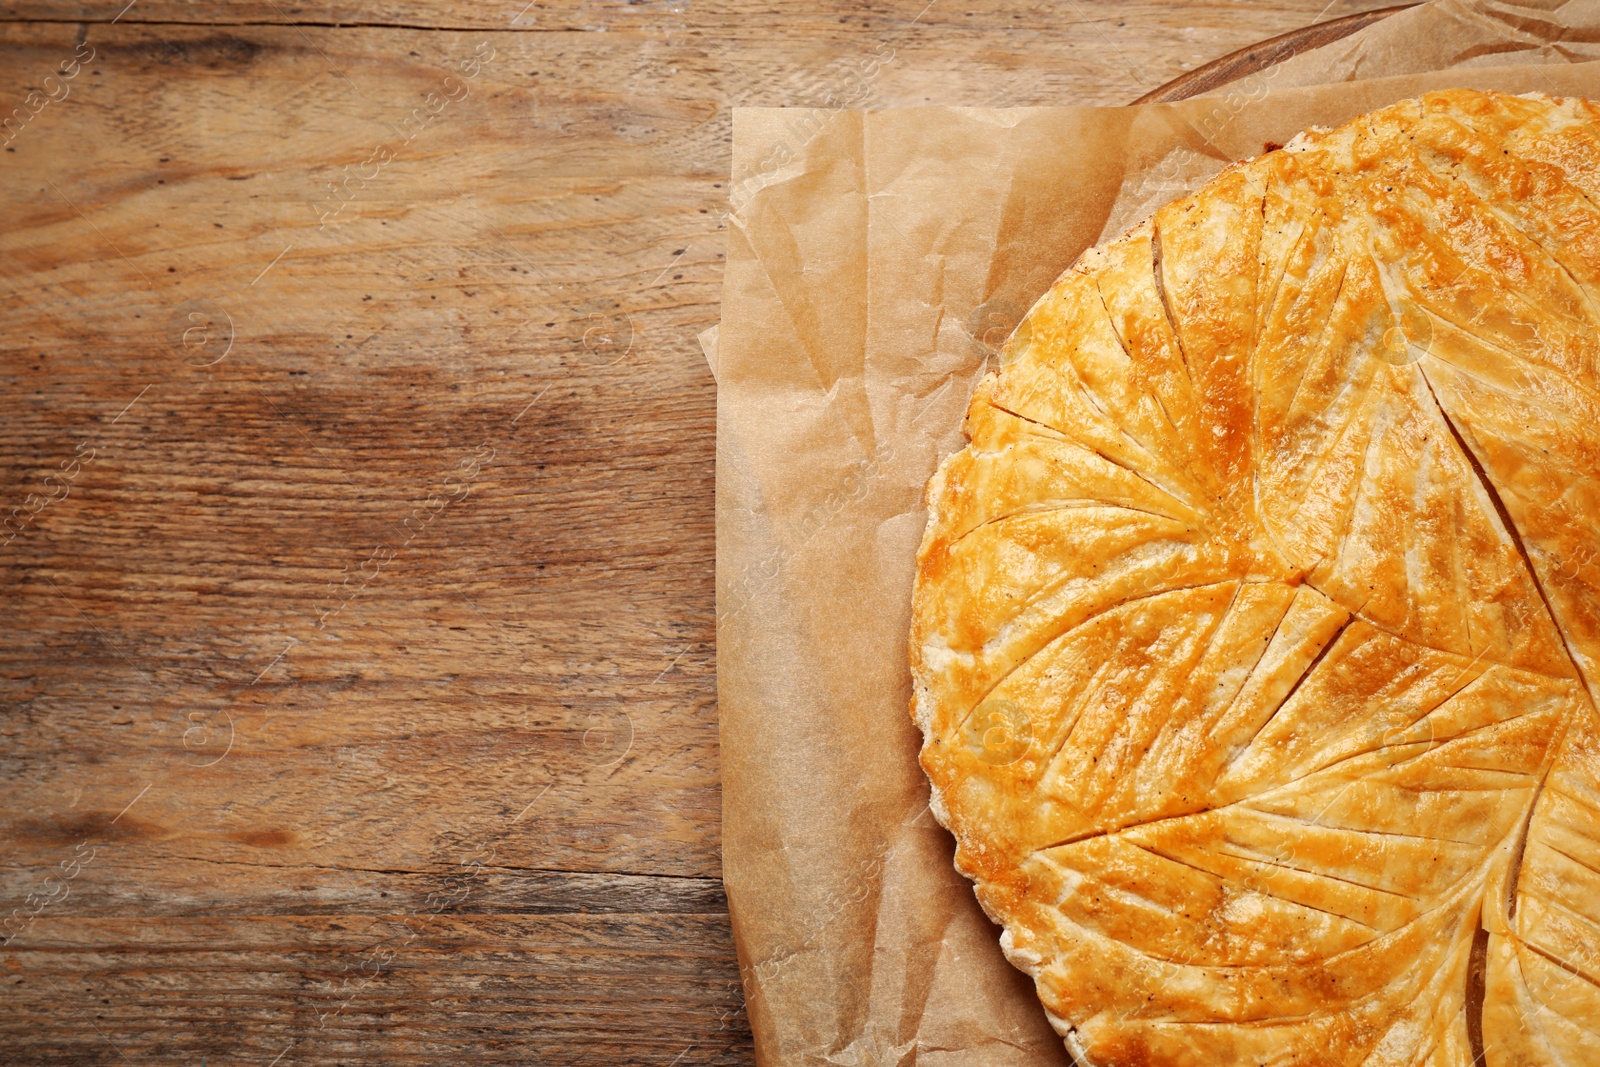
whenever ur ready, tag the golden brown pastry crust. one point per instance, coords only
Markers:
(1256, 635)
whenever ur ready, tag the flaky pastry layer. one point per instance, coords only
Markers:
(1257, 631)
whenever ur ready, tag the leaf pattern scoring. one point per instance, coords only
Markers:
(1257, 631)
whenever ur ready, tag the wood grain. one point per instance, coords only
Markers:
(357, 692)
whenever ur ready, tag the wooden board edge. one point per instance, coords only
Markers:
(1264, 54)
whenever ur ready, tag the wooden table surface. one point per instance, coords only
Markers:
(357, 682)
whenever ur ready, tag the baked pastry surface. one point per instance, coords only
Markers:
(1256, 634)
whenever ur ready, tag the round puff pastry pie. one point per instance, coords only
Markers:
(1256, 633)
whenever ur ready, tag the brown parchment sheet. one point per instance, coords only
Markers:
(1453, 35)
(876, 262)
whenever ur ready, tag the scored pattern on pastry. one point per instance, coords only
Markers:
(1256, 634)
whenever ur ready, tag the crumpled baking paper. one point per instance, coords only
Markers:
(876, 262)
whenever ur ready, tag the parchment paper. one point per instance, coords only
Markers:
(876, 261)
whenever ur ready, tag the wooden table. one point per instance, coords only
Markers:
(358, 674)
